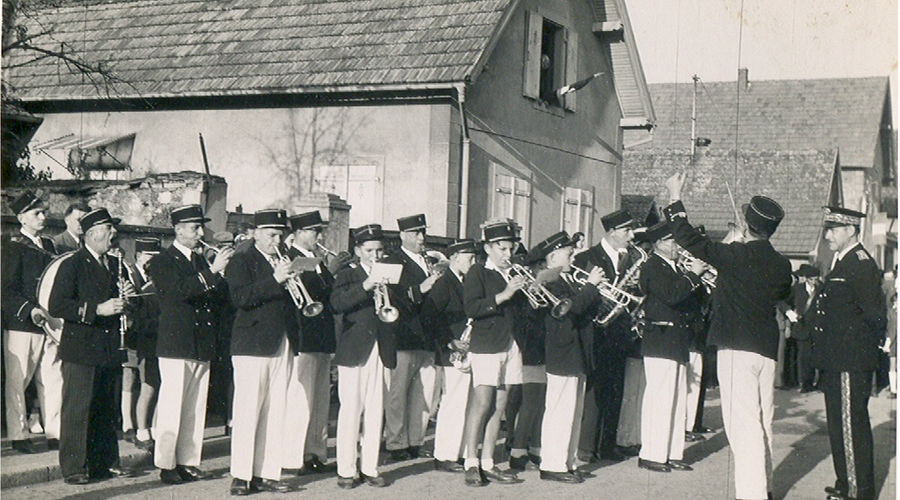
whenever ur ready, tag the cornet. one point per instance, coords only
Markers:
(538, 295)
(684, 263)
(616, 298)
(383, 308)
(299, 294)
(215, 250)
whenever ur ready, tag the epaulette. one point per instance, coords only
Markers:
(862, 255)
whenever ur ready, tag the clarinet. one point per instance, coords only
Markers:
(123, 318)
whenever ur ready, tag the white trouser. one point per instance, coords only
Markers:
(409, 399)
(662, 416)
(306, 412)
(451, 418)
(27, 356)
(361, 391)
(260, 391)
(694, 378)
(180, 412)
(561, 426)
(629, 429)
(747, 384)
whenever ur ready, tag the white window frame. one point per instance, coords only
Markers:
(520, 191)
(342, 190)
(583, 202)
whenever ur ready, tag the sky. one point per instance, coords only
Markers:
(780, 39)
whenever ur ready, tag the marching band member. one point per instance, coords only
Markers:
(88, 295)
(491, 301)
(611, 343)
(27, 351)
(186, 288)
(309, 393)
(144, 334)
(670, 305)
(752, 278)
(264, 338)
(411, 384)
(568, 351)
(365, 349)
(446, 315)
(848, 316)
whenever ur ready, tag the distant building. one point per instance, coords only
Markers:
(793, 123)
(449, 108)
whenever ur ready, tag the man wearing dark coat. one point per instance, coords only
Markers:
(186, 287)
(849, 316)
(88, 295)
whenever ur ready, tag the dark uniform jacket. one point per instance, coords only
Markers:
(568, 339)
(360, 326)
(444, 314)
(189, 307)
(753, 277)
(81, 284)
(670, 306)
(531, 333)
(849, 315)
(317, 332)
(146, 319)
(22, 265)
(800, 303)
(265, 311)
(493, 326)
(616, 335)
(408, 329)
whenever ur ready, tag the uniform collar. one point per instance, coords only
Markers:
(34, 239)
(187, 252)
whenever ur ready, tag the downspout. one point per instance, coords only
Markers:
(464, 163)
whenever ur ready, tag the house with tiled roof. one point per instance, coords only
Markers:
(464, 110)
(788, 117)
(801, 181)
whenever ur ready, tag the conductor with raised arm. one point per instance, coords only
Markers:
(753, 276)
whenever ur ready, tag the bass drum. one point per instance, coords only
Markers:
(53, 327)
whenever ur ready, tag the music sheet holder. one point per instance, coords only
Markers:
(301, 264)
(386, 273)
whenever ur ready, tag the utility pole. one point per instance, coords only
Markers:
(694, 120)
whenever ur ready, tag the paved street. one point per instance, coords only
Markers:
(802, 460)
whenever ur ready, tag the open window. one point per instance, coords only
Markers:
(551, 61)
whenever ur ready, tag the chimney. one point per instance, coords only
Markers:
(743, 79)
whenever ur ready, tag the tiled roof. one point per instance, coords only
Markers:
(640, 207)
(234, 47)
(799, 181)
(776, 115)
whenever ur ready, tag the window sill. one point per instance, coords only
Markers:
(548, 108)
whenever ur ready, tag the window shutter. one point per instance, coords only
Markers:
(531, 83)
(571, 67)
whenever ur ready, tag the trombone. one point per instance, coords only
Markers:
(299, 294)
(383, 308)
(537, 294)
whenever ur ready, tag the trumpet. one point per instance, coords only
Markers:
(684, 263)
(215, 250)
(333, 253)
(538, 295)
(383, 308)
(299, 294)
(618, 299)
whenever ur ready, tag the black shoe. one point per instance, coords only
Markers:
(837, 496)
(129, 436)
(24, 446)
(78, 479)
(170, 476)
(654, 466)
(833, 491)
(144, 445)
(693, 437)
(191, 473)
(498, 476)
(53, 444)
(806, 388)
(583, 474)
(518, 463)
(374, 481)
(614, 455)
(702, 430)
(271, 485)
(399, 455)
(418, 452)
(348, 483)
(316, 466)
(678, 465)
(562, 477)
(448, 466)
(241, 487)
(473, 477)
(629, 451)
